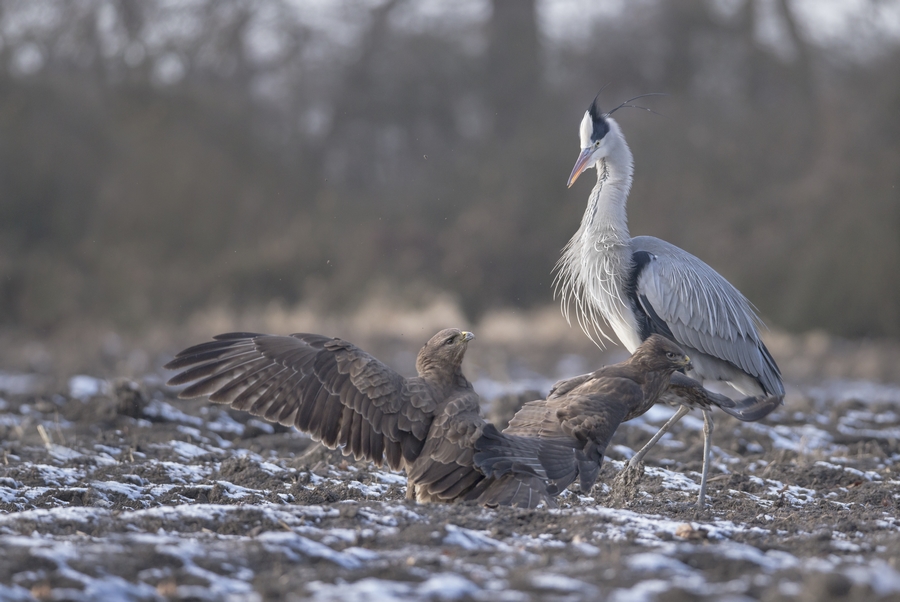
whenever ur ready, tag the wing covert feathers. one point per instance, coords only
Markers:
(326, 387)
(431, 425)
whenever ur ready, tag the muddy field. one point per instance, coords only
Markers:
(117, 490)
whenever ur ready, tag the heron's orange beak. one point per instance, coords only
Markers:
(580, 165)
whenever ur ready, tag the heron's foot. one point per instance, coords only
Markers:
(625, 485)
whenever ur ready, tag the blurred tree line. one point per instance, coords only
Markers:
(159, 157)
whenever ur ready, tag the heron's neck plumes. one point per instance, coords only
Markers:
(590, 273)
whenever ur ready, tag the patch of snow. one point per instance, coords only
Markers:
(877, 574)
(469, 539)
(372, 490)
(446, 586)
(793, 438)
(654, 562)
(19, 384)
(672, 480)
(186, 450)
(868, 392)
(490, 389)
(622, 450)
(288, 540)
(865, 433)
(132, 492)
(443, 586)
(217, 586)
(184, 473)
(10, 420)
(269, 468)
(58, 477)
(224, 423)
(869, 475)
(62, 453)
(83, 387)
(261, 425)
(14, 593)
(237, 492)
(561, 583)
(586, 548)
(168, 413)
(8, 495)
(860, 417)
(390, 477)
(645, 591)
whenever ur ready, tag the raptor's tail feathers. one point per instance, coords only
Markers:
(517, 489)
(498, 454)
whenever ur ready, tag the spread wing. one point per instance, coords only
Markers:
(687, 300)
(329, 388)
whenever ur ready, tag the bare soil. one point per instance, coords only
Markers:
(132, 494)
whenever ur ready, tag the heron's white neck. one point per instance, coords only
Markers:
(606, 217)
(591, 272)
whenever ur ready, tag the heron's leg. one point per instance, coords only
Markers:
(636, 459)
(707, 453)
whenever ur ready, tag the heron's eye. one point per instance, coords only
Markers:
(596, 144)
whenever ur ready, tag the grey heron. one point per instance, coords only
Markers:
(643, 285)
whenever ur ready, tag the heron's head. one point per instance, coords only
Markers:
(599, 134)
(445, 350)
(601, 137)
(660, 354)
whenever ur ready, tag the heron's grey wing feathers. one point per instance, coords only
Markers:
(329, 388)
(703, 310)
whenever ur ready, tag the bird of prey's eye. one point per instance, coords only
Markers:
(671, 355)
(450, 340)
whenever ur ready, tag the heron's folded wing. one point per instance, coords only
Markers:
(326, 387)
(702, 310)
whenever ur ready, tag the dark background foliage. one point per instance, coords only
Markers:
(157, 158)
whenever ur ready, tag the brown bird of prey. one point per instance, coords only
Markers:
(344, 397)
(563, 438)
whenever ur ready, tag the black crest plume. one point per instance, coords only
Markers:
(631, 106)
(601, 127)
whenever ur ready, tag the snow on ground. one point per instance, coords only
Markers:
(164, 499)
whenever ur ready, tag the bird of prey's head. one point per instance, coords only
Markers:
(444, 351)
(661, 354)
